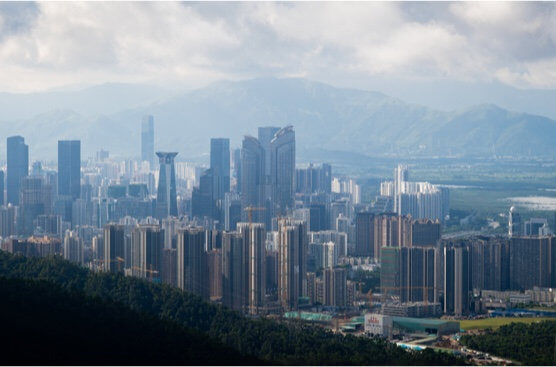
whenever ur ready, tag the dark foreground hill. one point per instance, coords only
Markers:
(44, 325)
(273, 342)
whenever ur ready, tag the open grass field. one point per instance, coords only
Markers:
(496, 322)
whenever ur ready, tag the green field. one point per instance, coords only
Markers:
(496, 322)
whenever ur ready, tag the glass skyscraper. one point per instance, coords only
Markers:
(18, 166)
(69, 168)
(166, 201)
(283, 170)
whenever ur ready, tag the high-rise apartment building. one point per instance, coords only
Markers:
(254, 237)
(18, 167)
(235, 280)
(166, 199)
(147, 140)
(292, 262)
(147, 244)
(69, 168)
(192, 274)
(73, 247)
(114, 250)
(364, 234)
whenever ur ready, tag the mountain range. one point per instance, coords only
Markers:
(325, 118)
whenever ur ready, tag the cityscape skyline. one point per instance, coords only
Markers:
(293, 183)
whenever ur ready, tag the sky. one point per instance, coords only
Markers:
(49, 45)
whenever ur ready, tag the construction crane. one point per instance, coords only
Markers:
(149, 271)
(250, 210)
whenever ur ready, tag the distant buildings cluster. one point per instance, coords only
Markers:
(258, 233)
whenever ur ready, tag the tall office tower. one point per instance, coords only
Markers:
(235, 271)
(531, 262)
(202, 203)
(35, 199)
(8, 220)
(220, 166)
(254, 236)
(18, 167)
(1, 187)
(514, 223)
(232, 211)
(292, 262)
(236, 163)
(114, 248)
(265, 135)
(147, 140)
(252, 178)
(73, 247)
(334, 282)
(317, 217)
(400, 176)
(364, 235)
(69, 168)
(282, 163)
(147, 243)
(166, 200)
(390, 275)
(192, 261)
(456, 279)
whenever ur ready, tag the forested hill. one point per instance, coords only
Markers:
(273, 342)
(43, 324)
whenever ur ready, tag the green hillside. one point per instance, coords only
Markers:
(274, 342)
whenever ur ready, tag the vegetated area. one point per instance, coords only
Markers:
(530, 344)
(496, 322)
(46, 325)
(291, 343)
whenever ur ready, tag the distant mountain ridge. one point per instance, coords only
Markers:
(324, 117)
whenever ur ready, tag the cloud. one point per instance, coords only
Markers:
(51, 44)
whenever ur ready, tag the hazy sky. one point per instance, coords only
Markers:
(52, 44)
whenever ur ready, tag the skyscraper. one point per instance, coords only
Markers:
(69, 168)
(252, 176)
(166, 200)
(220, 166)
(35, 199)
(234, 272)
(147, 243)
(364, 234)
(292, 262)
(18, 166)
(265, 135)
(254, 236)
(1, 187)
(114, 251)
(283, 170)
(147, 140)
(192, 273)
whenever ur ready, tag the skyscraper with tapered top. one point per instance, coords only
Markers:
(166, 200)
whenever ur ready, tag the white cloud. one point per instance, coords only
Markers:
(193, 44)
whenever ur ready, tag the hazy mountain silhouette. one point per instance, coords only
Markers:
(325, 118)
